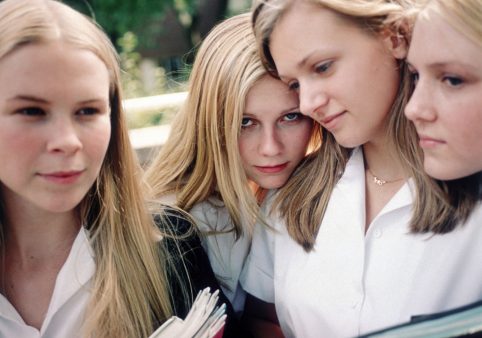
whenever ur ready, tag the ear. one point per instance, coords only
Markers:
(396, 42)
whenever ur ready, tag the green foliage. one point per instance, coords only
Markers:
(120, 16)
(132, 80)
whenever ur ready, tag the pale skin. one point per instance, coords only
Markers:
(62, 131)
(273, 140)
(446, 106)
(347, 80)
(274, 134)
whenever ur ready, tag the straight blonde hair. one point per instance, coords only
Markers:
(302, 202)
(201, 157)
(130, 291)
(465, 17)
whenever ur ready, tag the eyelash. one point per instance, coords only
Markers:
(319, 69)
(248, 119)
(450, 79)
(37, 112)
(88, 111)
(31, 111)
(323, 67)
(296, 116)
(414, 75)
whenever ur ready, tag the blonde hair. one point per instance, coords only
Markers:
(464, 16)
(130, 291)
(201, 157)
(302, 202)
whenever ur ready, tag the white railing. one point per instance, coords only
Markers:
(146, 141)
(154, 103)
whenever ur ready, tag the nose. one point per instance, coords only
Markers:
(420, 107)
(312, 99)
(63, 136)
(270, 142)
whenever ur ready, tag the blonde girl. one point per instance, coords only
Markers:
(239, 131)
(79, 252)
(362, 231)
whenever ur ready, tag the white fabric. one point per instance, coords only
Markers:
(226, 255)
(352, 283)
(69, 300)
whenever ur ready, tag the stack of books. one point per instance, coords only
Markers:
(204, 320)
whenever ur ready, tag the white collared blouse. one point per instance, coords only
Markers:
(226, 254)
(65, 314)
(353, 283)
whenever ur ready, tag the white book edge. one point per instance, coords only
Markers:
(204, 319)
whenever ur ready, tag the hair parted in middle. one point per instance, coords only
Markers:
(302, 202)
(201, 157)
(130, 288)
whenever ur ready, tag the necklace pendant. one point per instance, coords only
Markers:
(378, 181)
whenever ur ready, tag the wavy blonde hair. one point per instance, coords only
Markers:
(130, 292)
(302, 202)
(201, 157)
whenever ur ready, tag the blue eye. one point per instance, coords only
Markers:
(246, 122)
(453, 81)
(294, 116)
(324, 67)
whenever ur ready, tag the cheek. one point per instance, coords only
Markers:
(300, 138)
(96, 141)
(245, 147)
(466, 130)
(20, 146)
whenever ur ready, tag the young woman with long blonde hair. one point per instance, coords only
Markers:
(239, 132)
(80, 252)
(362, 232)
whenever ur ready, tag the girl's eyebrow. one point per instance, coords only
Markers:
(40, 100)
(28, 98)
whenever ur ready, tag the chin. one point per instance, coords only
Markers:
(271, 185)
(444, 172)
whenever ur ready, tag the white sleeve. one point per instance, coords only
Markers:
(257, 276)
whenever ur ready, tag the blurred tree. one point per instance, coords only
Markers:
(146, 18)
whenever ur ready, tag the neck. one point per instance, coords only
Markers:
(382, 162)
(34, 236)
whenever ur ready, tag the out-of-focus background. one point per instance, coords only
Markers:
(157, 41)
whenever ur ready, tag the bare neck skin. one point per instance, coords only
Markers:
(382, 162)
(37, 244)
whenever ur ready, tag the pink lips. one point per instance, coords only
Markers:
(428, 142)
(330, 122)
(272, 169)
(62, 177)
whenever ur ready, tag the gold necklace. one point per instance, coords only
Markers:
(380, 182)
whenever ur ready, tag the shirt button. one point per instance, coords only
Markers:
(378, 233)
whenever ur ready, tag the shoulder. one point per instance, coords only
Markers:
(174, 222)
